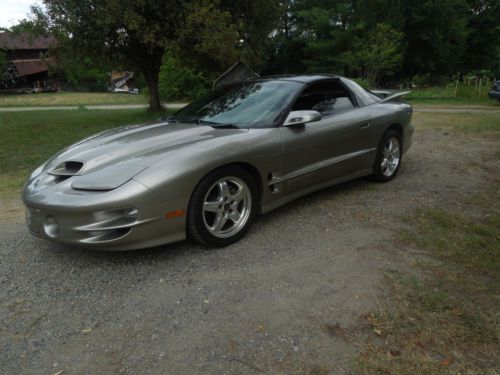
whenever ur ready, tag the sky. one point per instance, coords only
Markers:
(11, 11)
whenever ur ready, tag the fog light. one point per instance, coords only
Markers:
(51, 226)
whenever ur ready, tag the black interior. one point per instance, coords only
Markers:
(327, 97)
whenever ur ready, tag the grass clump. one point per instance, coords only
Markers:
(455, 238)
(446, 320)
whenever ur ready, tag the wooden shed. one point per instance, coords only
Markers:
(28, 62)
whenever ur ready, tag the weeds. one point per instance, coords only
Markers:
(472, 123)
(445, 320)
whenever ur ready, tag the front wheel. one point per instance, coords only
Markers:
(389, 156)
(222, 207)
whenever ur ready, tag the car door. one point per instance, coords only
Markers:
(319, 151)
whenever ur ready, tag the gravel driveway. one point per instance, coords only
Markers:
(258, 306)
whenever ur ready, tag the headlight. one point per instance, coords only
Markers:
(107, 178)
(38, 171)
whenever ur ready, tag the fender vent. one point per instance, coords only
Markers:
(67, 169)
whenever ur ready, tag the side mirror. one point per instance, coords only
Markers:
(296, 118)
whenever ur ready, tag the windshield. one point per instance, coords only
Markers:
(256, 104)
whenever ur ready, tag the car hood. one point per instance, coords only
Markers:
(138, 145)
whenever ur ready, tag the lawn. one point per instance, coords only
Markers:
(29, 138)
(474, 123)
(70, 99)
(452, 102)
(464, 95)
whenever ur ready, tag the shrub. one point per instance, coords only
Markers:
(178, 82)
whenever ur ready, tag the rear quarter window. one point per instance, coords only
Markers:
(364, 97)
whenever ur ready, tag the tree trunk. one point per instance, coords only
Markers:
(154, 94)
(149, 63)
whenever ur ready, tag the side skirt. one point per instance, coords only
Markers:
(290, 197)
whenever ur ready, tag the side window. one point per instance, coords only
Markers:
(328, 98)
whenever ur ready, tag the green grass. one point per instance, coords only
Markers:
(446, 320)
(445, 96)
(472, 243)
(451, 91)
(453, 102)
(70, 99)
(27, 139)
(473, 123)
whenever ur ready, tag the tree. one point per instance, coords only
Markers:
(310, 36)
(140, 31)
(483, 42)
(284, 48)
(254, 21)
(438, 35)
(86, 73)
(435, 31)
(198, 46)
(180, 82)
(377, 53)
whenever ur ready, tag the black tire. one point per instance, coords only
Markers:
(379, 173)
(197, 227)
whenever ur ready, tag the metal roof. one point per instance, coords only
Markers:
(26, 41)
(29, 67)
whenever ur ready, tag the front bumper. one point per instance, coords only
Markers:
(127, 218)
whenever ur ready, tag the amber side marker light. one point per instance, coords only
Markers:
(172, 214)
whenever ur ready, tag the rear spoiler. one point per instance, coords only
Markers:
(389, 98)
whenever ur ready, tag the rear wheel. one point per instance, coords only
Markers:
(389, 156)
(222, 207)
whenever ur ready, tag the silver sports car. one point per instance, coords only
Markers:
(205, 172)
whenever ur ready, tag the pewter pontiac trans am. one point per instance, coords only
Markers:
(205, 172)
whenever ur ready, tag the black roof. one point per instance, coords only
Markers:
(300, 78)
(303, 78)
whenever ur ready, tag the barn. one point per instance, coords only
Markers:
(28, 63)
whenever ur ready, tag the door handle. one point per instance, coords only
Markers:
(364, 124)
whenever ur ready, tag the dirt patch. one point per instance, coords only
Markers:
(11, 210)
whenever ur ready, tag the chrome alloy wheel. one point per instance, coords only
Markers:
(391, 155)
(226, 207)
